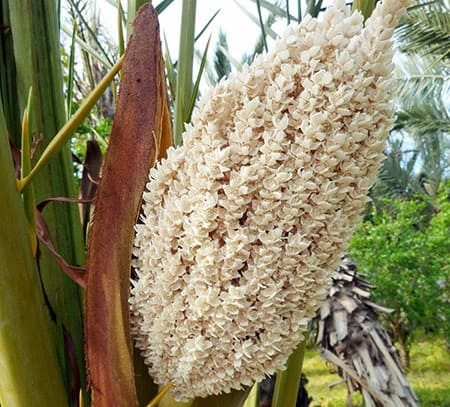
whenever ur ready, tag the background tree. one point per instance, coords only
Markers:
(418, 153)
(405, 254)
(397, 244)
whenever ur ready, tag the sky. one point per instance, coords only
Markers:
(241, 31)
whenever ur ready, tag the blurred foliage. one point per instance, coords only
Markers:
(425, 29)
(222, 65)
(98, 130)
(403, 247)
(419, 148)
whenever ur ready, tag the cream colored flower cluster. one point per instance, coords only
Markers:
(245, 222)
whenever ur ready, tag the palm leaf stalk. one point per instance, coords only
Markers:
(184, 68)
(287, 382)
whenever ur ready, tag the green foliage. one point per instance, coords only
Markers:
(98, 129)
(396, 177)
(184, 68)
(403, 247)
(222, 65)
(259, 46)
(422, 119)
(425, 30)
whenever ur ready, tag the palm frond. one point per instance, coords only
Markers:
(397, 175)
(259, 46)
(277, 10)
(428, 129)
(266, 26)
(205, 27)
(423, 119)
(92, 31)
(87, 48)
(221, 62)
(196, 88)
(313, 7)
(435, 155)
(420, 87)
(426, 30)
(261, 23)
(396, 180)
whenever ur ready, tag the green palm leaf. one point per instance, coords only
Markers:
(426, 31)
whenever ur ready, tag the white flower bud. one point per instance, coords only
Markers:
(244, 224)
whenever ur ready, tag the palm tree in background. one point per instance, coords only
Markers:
(418, 153)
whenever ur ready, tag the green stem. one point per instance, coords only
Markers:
(365, 6)
(120, 33)
(261, 23)
(185, 62)
(28, 195)
(71, 125)
(132, 8)
(252, 399)
(30, 374)
(288, 381)
(37, 57)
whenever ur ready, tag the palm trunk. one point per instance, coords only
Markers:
(401, 336)
(350, 337)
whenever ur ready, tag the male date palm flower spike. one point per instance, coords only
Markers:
(243, 224)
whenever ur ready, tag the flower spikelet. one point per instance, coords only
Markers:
(243, 224)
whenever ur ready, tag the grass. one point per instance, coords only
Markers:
(429, 376)
(430, 372)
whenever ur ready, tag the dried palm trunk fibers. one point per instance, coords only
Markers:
(243, 225)
(350, 337)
